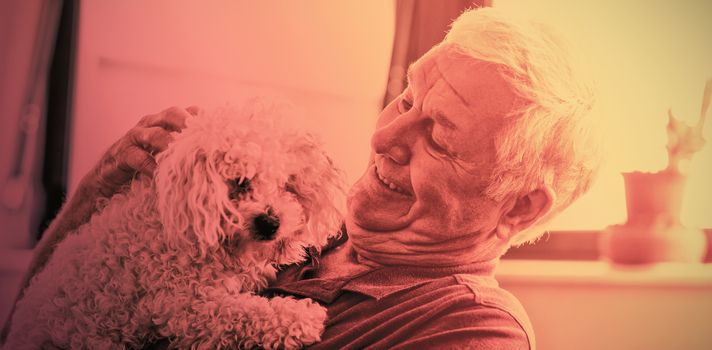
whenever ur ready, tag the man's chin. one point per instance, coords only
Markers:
(371, 220)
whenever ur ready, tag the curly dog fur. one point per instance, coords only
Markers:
(184, 255)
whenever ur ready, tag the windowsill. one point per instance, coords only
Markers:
(601, 273)
(573, 245)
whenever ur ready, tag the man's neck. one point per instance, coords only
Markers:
(343, 261)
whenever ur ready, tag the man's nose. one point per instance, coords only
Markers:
(395, 139)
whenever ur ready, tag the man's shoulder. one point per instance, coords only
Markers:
(484, 290)
(487, 293)
(453, 311)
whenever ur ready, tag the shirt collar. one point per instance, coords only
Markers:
(384, 281)
(376, 283)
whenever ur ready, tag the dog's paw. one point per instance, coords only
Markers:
(296, 323)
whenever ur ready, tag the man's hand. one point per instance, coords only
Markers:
(133, 154)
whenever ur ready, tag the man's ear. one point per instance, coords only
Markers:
(524, 211)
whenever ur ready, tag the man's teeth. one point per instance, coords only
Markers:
(390, 185)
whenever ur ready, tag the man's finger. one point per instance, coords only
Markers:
(193, 110)
(139, 160)
(148, 167)
(154, 139)
(172, 119)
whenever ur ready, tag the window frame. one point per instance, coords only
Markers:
(574, 245)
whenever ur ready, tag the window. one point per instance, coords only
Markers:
(646, 56)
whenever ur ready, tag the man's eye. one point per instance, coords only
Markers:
(404, 105)
(434, 145)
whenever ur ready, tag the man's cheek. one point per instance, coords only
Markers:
(436, 197)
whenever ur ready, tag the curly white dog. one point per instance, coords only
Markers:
(183, 255)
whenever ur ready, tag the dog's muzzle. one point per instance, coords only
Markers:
(265, 226)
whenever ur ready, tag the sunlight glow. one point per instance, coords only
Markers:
(646, 57)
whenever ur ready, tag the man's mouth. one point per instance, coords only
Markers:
(390, 185)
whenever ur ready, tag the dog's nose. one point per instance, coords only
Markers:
(265, 226)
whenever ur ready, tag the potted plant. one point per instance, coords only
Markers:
(653, 231)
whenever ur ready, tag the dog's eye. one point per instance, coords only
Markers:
(290, 186)
(239, 188)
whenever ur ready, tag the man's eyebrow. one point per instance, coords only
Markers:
(439, 116)
(441, 119)
(409, 75)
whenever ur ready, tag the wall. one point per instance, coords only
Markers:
(593, 305)
(139, 57)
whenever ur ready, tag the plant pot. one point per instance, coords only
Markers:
(652, 232)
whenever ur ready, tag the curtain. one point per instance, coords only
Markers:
(27, 36)
(419, 26)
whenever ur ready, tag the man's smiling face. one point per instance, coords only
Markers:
(432, 156)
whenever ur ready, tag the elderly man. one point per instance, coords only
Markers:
(489, 140)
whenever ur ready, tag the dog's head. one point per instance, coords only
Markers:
(237, 179)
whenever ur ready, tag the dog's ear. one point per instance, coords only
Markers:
(319, 186)
(193, 198)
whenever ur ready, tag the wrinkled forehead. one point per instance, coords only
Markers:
(478, 84)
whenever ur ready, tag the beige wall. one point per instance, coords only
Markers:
(139, 57)
(595, 306)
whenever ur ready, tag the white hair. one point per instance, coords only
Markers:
(550, 139)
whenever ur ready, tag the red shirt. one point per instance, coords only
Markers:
(414, 308)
